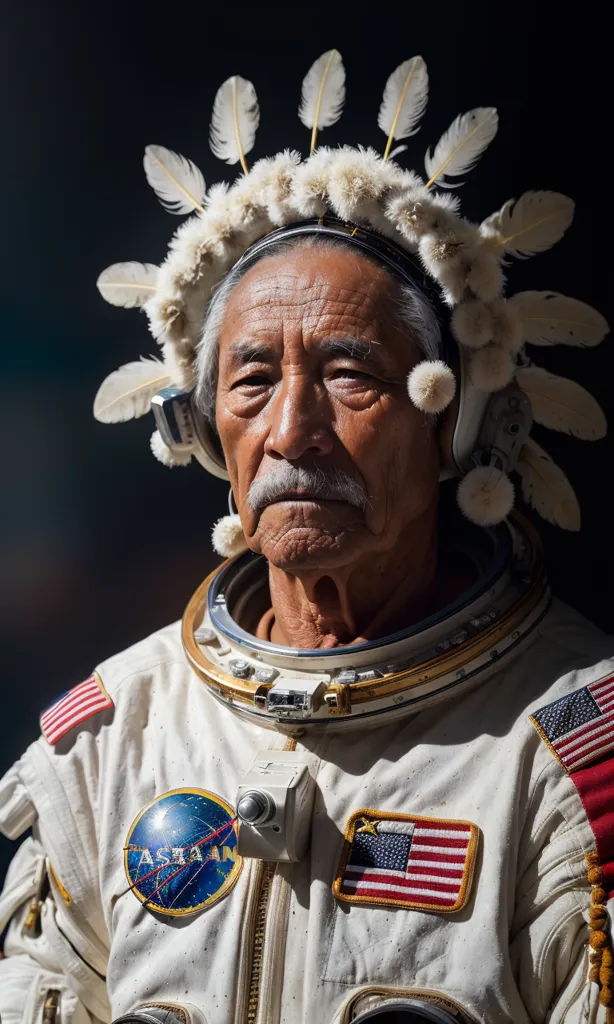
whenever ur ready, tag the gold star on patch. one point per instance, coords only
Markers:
(368, 826)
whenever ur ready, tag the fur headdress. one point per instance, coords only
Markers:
(361, 187)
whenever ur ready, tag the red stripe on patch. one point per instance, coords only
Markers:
(402, 898)
(82, 702)
(595, 784)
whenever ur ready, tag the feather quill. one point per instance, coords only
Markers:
(322, 94)
(536, 222)
(128, 284)
(234, 121)
(561, 404)
(546, 488)
(126, 393)
(459, 149)
(549, 318)
(177, 182)
(404, 101)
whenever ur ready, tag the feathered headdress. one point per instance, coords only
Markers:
(361, 187)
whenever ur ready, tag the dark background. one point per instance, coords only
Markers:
(99, 543)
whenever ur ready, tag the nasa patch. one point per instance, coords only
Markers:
(180, 854)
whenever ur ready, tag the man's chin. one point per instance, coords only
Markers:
(311, 538)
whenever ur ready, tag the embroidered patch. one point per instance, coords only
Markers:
(74, 707)
(181, 854)
(404, 860)
(579, 728)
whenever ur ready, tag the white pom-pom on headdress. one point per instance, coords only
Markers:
(485, 496)
(472, 324)
(228, 538)
(507, 325)
(431, 385)
(492, 368)
(164, 454)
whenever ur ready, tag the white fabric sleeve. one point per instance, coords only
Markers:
(549, 945)
(45, 967)
(31, 973)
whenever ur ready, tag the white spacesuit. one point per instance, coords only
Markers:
(314, 939)
(417, 827)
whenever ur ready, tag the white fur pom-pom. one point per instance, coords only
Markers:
(164, 454)
(492, 368)
(508, 325)
(447, 258)
(431, 385)
(310, 186)
(354, 182)
(485, 278)
(228, 538)
(472, 324)
(413, 212)
(485, 496)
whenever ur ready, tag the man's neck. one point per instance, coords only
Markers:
(379, 593)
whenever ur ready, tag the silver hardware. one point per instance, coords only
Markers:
(295, 701)
(174, 418)
(366, 675)
(266, 675)
(240, 668)
(255, 807)
(505, 428)
(347, 675)
(280, 790)
(204, 635)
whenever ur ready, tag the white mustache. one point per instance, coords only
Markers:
(329, 483)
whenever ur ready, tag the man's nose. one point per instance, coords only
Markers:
(299, 422)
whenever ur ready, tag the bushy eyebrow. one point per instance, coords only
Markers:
(347, 347)
(243, 352)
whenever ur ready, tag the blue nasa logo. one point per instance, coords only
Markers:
(181, 852)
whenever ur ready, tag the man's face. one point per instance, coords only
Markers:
(313, 370)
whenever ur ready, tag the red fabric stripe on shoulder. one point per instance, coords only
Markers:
(595, 784)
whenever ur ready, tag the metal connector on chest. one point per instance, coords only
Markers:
(285, 700)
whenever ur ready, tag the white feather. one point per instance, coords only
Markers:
(177, 182)
(459, 149)
(532, 224)
(404, 100)
(549, 318)
(128, 284)
(234, 121)
(396, 152)
(323, 93)
(546, 488)
(561, 404)
(126, 393)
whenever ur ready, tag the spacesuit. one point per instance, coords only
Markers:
(413, 827)
(442, 848)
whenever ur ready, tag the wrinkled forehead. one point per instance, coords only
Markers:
(311, 288)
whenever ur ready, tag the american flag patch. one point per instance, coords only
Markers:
(74, 707)
(579, 728)
(403, 860)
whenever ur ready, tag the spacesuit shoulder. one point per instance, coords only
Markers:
(75, 727)
(99, 699)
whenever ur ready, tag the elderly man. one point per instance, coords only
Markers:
(368, 777)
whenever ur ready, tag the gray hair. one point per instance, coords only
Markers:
(415, 315)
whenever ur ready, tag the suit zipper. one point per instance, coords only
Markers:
(260, 923)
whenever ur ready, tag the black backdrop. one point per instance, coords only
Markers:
(101, 544)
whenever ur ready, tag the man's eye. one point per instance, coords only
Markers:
(346, 372)
(255, 380)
